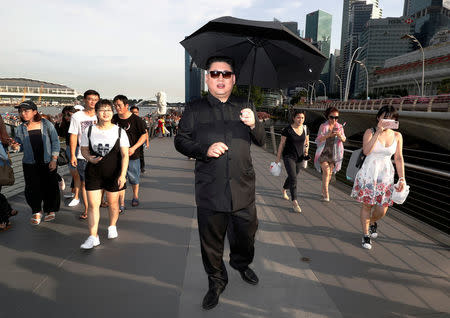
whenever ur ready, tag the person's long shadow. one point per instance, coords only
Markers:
(90, 291)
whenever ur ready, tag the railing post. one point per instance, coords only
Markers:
(274, 142)
(430, 104)
(401, 105)
(414, 104)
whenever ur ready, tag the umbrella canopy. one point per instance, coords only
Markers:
(266, 54)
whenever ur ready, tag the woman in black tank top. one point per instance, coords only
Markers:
(105, 148)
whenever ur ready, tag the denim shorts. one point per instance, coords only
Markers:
(68, 156)
(81, 166)
(134, 171)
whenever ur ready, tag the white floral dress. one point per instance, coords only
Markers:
(374, 182)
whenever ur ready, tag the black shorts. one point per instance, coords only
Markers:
(98, 177)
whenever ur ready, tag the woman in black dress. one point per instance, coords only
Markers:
(294, 146)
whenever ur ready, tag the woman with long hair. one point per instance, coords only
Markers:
(374, 182)
(105, 148)
(330, 149)
(38, 139)
(293, 147)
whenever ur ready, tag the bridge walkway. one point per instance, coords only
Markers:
(310, 264)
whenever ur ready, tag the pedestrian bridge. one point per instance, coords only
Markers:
(310, 264)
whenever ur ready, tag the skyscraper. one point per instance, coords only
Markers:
(380, 40)
(360, 13)
(318, 29)
(194, 79)
(429, 16)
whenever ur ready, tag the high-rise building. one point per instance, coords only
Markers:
(429, 16)
(380, 40)
(194, 79)
(318, 28)
(360, 13)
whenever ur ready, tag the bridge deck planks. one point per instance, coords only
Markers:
(154, 267)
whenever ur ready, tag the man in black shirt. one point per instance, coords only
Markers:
(217, 130)
(136, 132)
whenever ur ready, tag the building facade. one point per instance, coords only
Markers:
(13, 90)
(360, 13)
(405, 71)
(380, 40)
(194, 80)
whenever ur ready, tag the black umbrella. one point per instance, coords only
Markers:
(266, 54)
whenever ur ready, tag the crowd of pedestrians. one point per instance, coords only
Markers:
(105, 151)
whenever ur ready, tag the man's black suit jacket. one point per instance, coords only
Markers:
(226, 183)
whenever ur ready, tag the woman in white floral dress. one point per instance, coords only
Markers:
(374, 182)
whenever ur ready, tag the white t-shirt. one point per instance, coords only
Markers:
(79, 124)
(103, 140)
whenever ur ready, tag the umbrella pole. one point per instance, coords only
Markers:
(251, 79)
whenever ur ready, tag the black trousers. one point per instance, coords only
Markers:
(240, 226)
(141, 157)
(41, 185)
(5, 209)
(292, 168)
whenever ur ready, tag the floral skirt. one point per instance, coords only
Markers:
(374, 183)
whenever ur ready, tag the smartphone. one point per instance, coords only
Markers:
(389, 123)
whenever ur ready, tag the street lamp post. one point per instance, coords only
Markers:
(367, 77)
(324, 88)
(349, 73)
(413, 38)
(418, 87)
(340, 87)
(312, 92)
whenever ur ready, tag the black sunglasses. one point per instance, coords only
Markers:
(216, 74)
(333, 117)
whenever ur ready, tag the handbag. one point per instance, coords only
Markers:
(304, 163)
(356, 162)
(62, 157)
(275, 169)
(6, 173)
(400, 197)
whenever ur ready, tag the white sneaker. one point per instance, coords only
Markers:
(74, 202)
(112, 232)
(296, 208)
(62, 184)
(91, 242)
(366, 242)
(69, 195)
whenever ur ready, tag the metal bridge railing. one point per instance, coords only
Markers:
(429, 197)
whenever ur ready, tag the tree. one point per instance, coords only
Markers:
(255, 95)
(444, 86)
(297, 97)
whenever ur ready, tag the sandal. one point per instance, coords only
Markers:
(83, 216)
(49, 217)
(121, 209)
(135, 202)
(4, 226)
(36, 218)
(13, 213)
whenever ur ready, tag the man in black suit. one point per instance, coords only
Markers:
(217, 130)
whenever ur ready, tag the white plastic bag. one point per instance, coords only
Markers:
(400, 197)
(275, 169)
(304, 164)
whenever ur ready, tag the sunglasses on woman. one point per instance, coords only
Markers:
(333, 117)
(216, 74)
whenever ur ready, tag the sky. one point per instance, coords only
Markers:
(130, 47)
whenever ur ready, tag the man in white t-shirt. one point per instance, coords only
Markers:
(79, 123)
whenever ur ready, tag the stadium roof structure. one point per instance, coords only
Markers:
(24, 82)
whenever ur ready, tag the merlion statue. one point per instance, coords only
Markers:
(161, 100)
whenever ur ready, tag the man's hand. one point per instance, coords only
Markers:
(73, 161)
(216, 150)
(248, 117)
(131, 151)
(52, 165)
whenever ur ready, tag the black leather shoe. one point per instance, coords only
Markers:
(249, 276)
(211, 298)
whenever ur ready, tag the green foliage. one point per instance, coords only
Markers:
(444, 86)
(204, 93)
(255, 95)
(297, 97)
